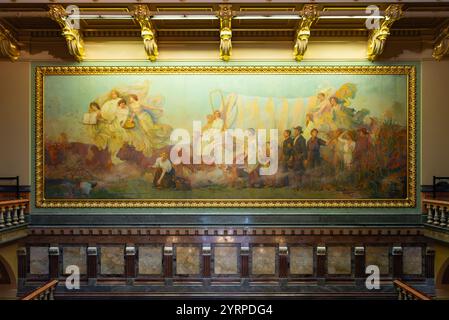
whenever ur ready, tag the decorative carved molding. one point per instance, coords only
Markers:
(321, 251)
(224, 232)
(309, 14)
(441, 46)
(9, 47)
(359, 251)
(92, 251)
(396, 251)
(53, 251)
(378, 36)
(74, 39)
(198, 35)
(225, 16)
(142, 15)
(130, 250)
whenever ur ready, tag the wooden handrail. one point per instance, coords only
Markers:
(413, 292)
(9, 202)
(441, 202)
(36, 293)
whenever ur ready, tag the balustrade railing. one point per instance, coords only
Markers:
(46, 292)
(405, 292)
(437, 212)
(12, 212)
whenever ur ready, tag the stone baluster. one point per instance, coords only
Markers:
(447, 218)
(15, 216)
(436, 213)
(429, 213)
(2, 217)
(52, 294)
(8, 217)
(402, 294)
(22, 214)
(399, 291)
(443, 216)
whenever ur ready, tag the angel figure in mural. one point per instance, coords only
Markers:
(127, 115)
(221, 118)
(103, 125)
(155, 135)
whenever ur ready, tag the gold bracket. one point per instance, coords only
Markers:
(74, 39)
(9, 47)
(441, 46)
(142, 15)
(309, 14)
(225, 16)
(378, 36)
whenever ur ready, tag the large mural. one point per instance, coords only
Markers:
(236, 136)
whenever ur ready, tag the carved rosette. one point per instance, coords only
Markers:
(441, 46)
(9, 47)
(74, 39)
(225, 16)
(378, 36)
(142, 14)
(309, 14)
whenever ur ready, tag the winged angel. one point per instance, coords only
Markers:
(127, 115)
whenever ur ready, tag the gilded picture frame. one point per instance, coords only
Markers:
(44, 201)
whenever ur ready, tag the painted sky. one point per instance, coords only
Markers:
(187, 97)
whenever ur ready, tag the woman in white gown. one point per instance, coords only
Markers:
(147, 135)
(111, 126)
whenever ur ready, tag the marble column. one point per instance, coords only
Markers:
(92, 262)
(396, 251)
(359, 261)
(283, 261)
(168, 262)
(130, 262)
(53, 259)
(321, 261)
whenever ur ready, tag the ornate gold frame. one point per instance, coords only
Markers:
(409, 202)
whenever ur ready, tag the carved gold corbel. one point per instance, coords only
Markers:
(378, 36)
(142, 14)
(225, 16)
(441, 46)
(9, 47)
(74, 39)
(309, 14)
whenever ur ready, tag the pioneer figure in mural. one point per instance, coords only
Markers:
(164, 176)
(313, 150)
(286, 156)
(299, 154)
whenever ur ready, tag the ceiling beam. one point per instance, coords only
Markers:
(309, 14)
(142, 16)
(343, 14)
(378, 36)
(9, 47)
(70, 31)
